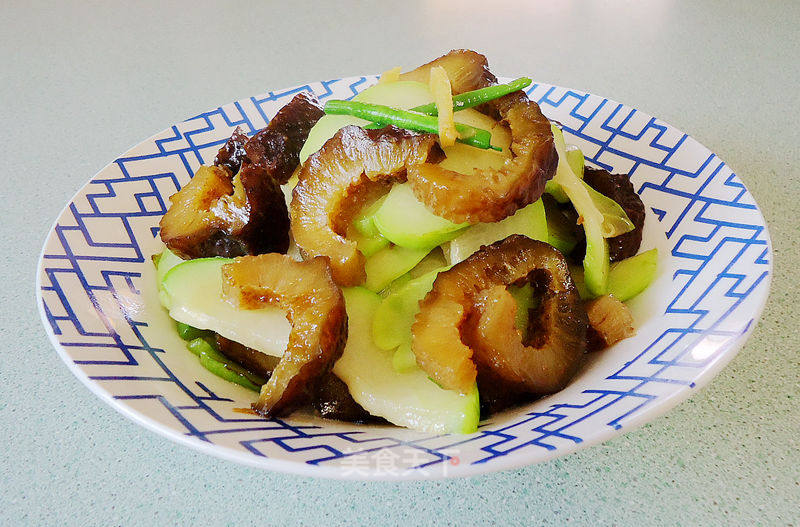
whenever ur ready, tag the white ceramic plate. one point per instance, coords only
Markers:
(98, 304)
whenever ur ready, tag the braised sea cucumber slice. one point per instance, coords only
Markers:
(237, 207)
(232, 153)
(488, 195)
(316, 310)
(277, 147)
(466, 323)
(333, 182)
(619, 188)
(331, 400)
(219, 215)
(466, 69)
(253, 360)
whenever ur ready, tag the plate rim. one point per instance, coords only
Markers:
(506, 462)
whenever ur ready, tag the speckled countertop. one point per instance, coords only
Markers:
(82, 81)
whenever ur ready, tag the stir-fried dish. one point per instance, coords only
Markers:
(425, 254)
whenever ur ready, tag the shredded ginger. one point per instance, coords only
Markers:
(443, 97)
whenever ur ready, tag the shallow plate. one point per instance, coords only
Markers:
(98, 304)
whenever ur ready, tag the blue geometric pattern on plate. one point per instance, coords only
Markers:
(93, 264)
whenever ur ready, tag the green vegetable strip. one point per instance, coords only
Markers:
(198, 346)
(596, 262)
(477, 97)
(385, 115)
(187, 332)
(221, 366)
(221, 370)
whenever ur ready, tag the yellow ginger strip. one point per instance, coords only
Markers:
(443, 97)
(392, 75)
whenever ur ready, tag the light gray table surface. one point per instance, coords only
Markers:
(83, 81)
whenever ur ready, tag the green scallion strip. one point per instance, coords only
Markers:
(477, 97)
(187, 332)
(222, 366)
(386, 115)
